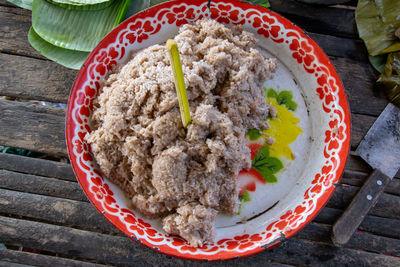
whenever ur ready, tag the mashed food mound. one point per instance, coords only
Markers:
(184, 177)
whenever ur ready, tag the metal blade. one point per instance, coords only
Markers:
(381, 146)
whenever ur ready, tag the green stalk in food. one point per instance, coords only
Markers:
(179, 82)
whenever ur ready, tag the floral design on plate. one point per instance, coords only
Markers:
(265, 157)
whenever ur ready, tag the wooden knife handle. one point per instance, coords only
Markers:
(364, 200)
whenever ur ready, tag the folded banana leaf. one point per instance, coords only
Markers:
(68, 58)
(136, 6)
(378, 62)
(78, 30)
(82, 4)
(390, 78)
(388, 10)
(377, 22)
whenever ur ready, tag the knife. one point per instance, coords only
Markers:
(381, 150)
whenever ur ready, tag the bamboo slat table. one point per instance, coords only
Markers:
(46, 220)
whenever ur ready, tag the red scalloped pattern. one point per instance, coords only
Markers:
(267, 24)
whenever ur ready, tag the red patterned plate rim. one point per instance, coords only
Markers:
(334, 102)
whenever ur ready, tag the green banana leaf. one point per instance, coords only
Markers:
(68, 58)
(378, 62)
(388, 10)
(377, 21)
(75, 29)
(390, 78)
(136, 6)
(155, 2)
(82, 4)
(27, 4)
(264, 3)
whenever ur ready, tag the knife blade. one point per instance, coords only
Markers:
(380, 148)
(381, 145)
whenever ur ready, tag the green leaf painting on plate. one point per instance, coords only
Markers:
(245, 196)
(283, 98)
(253, 134)
(266, 165)
(267, 156)
(75, 29)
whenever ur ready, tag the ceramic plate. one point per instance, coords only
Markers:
(289, 182)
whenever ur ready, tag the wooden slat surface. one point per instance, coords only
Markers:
(371, 224)
(355, 163)
(8, 264)
(12, 256)
(357, 179)
(32, 126)
(120, 250)
(365, 241)
(348, 48)
(41, 185)
(54, 210)
(387, 205)
(37, 166)
(41, 204)
(320, 19)
(14, 27)
(24, 76)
